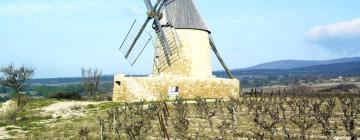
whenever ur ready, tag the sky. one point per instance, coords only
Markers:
(58, 37)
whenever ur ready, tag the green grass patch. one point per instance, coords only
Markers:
(10, 128)
(28, 109)
(27, 123)
(3, 123)
(38, 103)
(90, 106)
(13, 133)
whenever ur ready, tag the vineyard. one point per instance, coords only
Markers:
(282, 114)
(256, 117)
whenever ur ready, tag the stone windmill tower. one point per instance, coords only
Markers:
(182, 59)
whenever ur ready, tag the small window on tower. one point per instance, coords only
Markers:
(173, 91)
(118, 83)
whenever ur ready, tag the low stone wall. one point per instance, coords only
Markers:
(166, 86)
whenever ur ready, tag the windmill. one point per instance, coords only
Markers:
(182, 40)
(182, 57)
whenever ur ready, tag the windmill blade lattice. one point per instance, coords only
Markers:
(162, 58)
(145, 39)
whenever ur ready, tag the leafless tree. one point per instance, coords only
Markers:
(302, 117)
(102, 128)
(223, 127)
(266, 116)
(285, 118)
(91, 80)
(205, 110)
(181, 123)
(323, 118)
(219, 103)
(16, 78)
(84, 133)
(232, 106)
(350, 112)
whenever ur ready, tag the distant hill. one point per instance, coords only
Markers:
(272, 71)
(269, 77)
(69, 80)
(323, 70)
(65, 80)
(292, 64)
(330, 70)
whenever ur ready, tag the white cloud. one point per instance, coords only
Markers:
(341, 37)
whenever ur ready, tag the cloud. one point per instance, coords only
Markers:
(341, 37)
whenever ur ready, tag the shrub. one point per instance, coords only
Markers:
(70, 96)
(3, 99)
(181, 123)
(205, 110)
(8, 112)
(24, 100)
(84, 132)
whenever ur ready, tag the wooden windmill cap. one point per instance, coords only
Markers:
(182, 14)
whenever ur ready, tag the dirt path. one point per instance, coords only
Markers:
(67, 109)
(61, 109)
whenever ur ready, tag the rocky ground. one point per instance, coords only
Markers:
(66, 109)
(49, 114)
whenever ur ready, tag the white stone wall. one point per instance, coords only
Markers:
(157, 88)
(194, 55)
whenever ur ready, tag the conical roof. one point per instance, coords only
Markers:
(182, 14)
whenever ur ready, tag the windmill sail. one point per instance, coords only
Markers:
(135, 42)
(132, 49)
(161, 59)
(165, 56)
